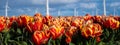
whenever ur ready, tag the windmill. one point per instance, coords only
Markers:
(104, 5)
(6, 9)
(59, 13)
(92, 12)
(96, 11)
(75, 12)
(114, 12)
(47, 7)
(36, 11)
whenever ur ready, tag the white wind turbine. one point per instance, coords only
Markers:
(6, 9)
(59, 13)
(104, 5)
(75, 12)
(47, 7)
(36, 11)
(96, 11)
(114, 12)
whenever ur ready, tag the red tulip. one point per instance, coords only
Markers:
(11, 20)
(24, 20)
(33, 26)
(111, 23)
(40, 37)
(56, 31)
(87, 17)
(69, 33)
(98, 18)
(2, 26)
(38, 17)
(91, 30)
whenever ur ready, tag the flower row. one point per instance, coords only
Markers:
(45, 27)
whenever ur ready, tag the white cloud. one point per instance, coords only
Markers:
(54, 1)
(115, 4)
(88, 5)
(52, 9)
(20, 10)
(28, 9)
(71, 6)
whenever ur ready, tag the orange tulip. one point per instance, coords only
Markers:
(69, 33)
(97, 19)
(91, 30)
(40, 37)
(111, 23)
(56, 31)
(75, 23)
(24, 20)
(33, 26)
(11, 20)
(38, 17)
(87, 17)
(48, 17)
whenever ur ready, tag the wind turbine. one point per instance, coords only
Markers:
(92, 12)
(104, 5)
(96, 11)
(59, 13)
(75, 12)
(36, 11)
(6, 9)
(47, 7)
(114, 11)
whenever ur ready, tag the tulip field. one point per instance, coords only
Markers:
(61, 30)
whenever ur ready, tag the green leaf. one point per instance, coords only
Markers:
(71, 44)
(19, 31)
(23, 43)
(49, 41)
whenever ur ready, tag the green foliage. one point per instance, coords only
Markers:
(15, 36)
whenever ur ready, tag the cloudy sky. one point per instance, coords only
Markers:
(66, 7)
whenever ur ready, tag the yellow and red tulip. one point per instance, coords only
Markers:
(33, 26)
(56, 31)
(69, 33)
(24, 20)
(111, 23)
(91, 30)
(87, 17)
(40, 37)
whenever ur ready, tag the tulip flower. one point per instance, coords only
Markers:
(91, 30)
(2, 26)
(38, 17)
(33, 26)
(56, 31)
(69, 33)
(11, 20)
(40, 37)
(24, 20)
(111, 23)
(87, 17)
